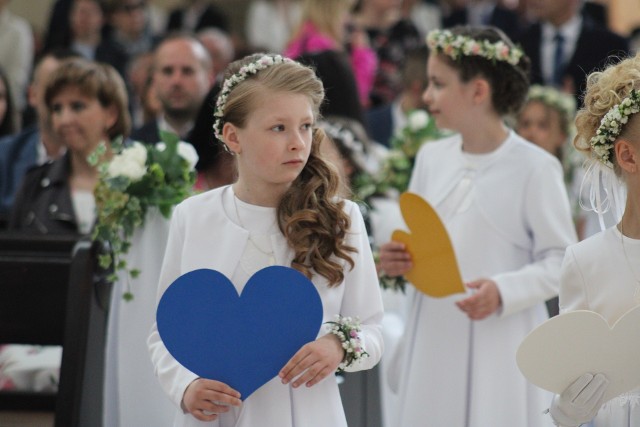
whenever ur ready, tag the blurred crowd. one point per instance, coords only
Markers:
(105, 69)
(172, 59)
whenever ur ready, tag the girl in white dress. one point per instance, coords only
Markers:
(602, 273)
(282, 210)
(505, 207)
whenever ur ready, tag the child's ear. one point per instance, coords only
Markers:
(481, 91)
(230, 135)
(627, 156)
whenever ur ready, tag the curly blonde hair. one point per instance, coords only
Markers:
(310, 215)
(606, 89)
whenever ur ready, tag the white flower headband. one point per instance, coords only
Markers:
(243, 73)
(342, 135)
(611, 127)
(564, 103)
(455, 46)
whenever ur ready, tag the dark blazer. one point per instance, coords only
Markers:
(211, 17)
(147, 133)
(111, 53)
(501, 17)
(18, 153)
(43, 204)
(380, 124)
(596, 47)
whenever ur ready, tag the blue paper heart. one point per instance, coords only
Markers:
(244, 340)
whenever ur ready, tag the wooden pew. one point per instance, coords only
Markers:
(51, 293)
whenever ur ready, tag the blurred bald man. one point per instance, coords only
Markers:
(182, 75)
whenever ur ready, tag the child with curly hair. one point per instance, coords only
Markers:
(284, 209)
(602, 273)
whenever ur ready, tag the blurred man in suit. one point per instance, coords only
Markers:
(565, 45)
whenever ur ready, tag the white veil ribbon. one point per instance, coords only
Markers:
(606, 192)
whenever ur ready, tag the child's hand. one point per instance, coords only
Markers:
(394, 259)
(484, 302)
(315, 361)
(205, 399)
(580, 401)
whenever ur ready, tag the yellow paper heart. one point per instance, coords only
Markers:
(435, 268)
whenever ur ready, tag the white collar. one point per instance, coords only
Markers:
(163, 125)
(570, 29)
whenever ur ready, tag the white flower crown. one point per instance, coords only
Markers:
(564, 103)
(611, 127)
(243, 73)
(455, 46)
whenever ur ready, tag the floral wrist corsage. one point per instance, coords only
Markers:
(347, 330)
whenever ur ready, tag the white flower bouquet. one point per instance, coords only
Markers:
(137, 178)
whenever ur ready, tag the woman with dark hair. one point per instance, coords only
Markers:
(87, 105)
(215, 167)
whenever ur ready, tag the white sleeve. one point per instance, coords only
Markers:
(362, 297)
(573, 295)
(550, 225)
(174, 378)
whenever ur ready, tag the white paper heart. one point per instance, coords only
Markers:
(557, 352)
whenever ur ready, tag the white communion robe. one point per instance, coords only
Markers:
(205, 233)
(597, 277)
(132, 394)
(507, 214)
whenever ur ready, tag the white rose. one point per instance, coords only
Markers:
(188, 152)
(127, 167)
(418, 120)
(137, 153)
(185, 150)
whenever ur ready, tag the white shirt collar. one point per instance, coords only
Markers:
(163, 125)
(570, 31)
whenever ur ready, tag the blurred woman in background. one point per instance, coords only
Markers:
(87, 105)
